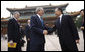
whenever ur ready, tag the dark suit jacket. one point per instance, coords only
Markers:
(27, 31)
(83, 24)
(67, 30)
(37, 36)
(13, 30)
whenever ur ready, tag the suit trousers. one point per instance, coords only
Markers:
(37, 47)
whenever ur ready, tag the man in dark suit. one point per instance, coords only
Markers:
(67, 32)
(27, 33)
(14, 32)
(38, 31)
(82, 27)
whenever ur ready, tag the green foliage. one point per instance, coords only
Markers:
(79, 22)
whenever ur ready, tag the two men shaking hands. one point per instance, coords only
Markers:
(64, 24)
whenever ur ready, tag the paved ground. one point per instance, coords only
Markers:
(52, 43)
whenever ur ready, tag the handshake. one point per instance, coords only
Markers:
(45, 32)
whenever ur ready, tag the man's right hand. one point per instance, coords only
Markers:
(77, 41)
(45, 32)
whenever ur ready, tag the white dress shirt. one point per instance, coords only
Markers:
(39, 16)
(15, 18)
(61, 17)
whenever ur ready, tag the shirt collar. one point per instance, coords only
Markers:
(15, 18)
(38, 16)
(61, 15)
(28, 24)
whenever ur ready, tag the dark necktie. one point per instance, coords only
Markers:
(59, 26)
(59, 20)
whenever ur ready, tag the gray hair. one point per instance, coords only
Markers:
(16, 13)
(38, 9)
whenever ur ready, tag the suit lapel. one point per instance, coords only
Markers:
(16, 23)
(57, 23)
(28, 26)
(62, 20)
(39, 22)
